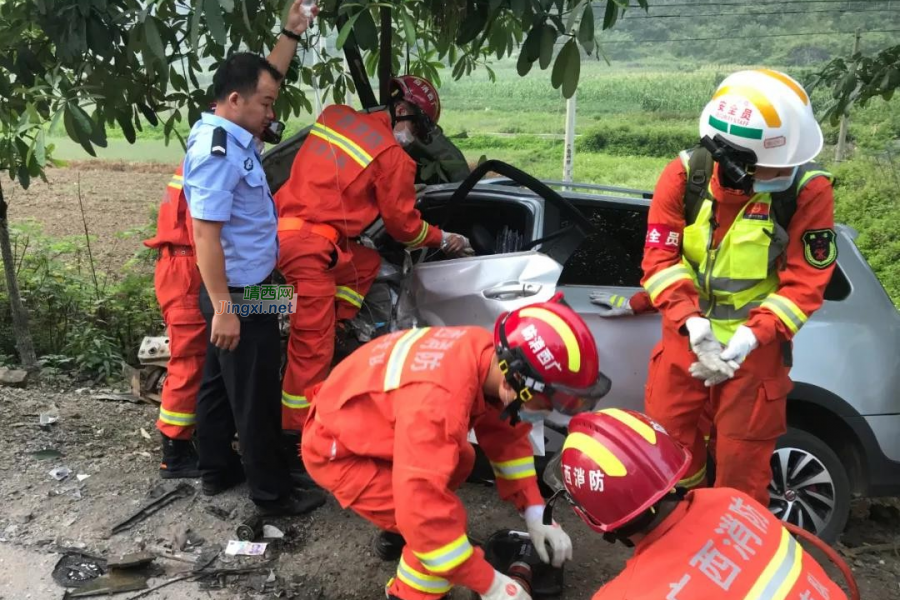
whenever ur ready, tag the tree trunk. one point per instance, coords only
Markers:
(24, 343)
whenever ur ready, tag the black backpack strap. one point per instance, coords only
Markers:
(785, 203)
(699, 170)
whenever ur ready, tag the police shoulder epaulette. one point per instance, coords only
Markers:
(219, 142)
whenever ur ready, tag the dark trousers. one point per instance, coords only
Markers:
(241, 391)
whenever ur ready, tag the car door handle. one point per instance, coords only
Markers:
(515, 289)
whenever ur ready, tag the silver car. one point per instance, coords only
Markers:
(532, 240)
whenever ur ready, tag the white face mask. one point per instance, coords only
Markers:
(403, 137)
(776, 184)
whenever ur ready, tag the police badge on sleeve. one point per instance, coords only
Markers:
(820, 247)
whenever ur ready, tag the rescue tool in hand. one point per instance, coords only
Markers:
(707, 348)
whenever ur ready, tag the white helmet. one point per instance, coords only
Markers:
(767, 112)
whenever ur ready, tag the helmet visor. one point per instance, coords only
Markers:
(572, 401)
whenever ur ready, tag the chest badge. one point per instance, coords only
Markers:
(758, 211)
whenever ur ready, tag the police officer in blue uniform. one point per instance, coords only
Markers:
(235, 228)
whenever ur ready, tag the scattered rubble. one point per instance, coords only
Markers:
(13, 377)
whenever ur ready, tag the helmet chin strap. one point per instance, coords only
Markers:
(511, 412)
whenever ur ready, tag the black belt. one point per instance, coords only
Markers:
(268, 280)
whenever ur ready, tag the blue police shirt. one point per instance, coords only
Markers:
(233, 189)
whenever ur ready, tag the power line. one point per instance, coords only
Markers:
(749, 37)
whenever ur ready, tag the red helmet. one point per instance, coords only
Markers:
(419, 93)
(615, 464)
(550, 357)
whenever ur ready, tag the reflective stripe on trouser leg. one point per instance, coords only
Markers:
(413, 581)
(184, 374)
(354, 279)
(677, 401)
(310, 350)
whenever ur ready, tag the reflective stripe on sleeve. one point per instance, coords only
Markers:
(423, 233)
(295, 402)
(665, 278)
(349, 296)
(786, 310)
(519, 468)
(171, 417)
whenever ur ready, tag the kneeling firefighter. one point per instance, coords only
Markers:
(351, 169)
(618, 469)
(387, 435)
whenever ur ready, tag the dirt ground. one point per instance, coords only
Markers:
(324, 556)
(117, 197)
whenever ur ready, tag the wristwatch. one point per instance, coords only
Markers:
(291, 34)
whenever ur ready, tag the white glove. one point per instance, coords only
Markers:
(541, 535)
(710, 378)
(742, 343)
(505, 588)
(611, 305)
(707, 348)
(454, 244)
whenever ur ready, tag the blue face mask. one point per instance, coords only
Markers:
(533, 416)
(776, 184)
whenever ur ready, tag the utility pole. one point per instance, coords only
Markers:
(569, 154)
(845, 120)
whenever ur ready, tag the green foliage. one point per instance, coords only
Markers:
(78, 325)
(858, 79)
(657, 138)
(88, 65)
(867, 198)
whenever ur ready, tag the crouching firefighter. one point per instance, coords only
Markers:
(351, 169)
(740, 247)
(619, 470)
(387, 435)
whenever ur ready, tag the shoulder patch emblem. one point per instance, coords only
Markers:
(248, 164)
(820, 247)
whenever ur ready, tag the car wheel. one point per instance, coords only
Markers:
(809, 486)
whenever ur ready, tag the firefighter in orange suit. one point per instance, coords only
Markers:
(739, 250)
(351, 169)
(618, 470)
(177, 283)
(387, 435)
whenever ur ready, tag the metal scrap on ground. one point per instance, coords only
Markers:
(182, 490)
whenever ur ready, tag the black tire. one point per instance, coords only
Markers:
(818, 496)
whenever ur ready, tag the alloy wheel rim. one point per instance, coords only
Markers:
(802, 490)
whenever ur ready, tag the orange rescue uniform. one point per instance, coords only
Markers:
(177, 282)
(720, 543)
(387, 435)
(349, 170)
(749, 409)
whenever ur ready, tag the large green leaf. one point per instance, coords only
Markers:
(148, 113)
(75, 131)
(471, 27)
(548, 38)
(195, 24)
(611, 15)
(124, 120)
(214, 21)
(523, 65)
(409, 28)
(572, 68)
(153, 40)
(586, 29)
(345, 31)
(365, 31)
